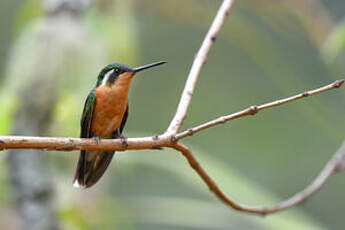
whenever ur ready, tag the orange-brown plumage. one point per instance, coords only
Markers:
(110, 106)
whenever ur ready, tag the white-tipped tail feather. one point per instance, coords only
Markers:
(77, 185)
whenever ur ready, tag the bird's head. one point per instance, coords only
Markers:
(115, 71)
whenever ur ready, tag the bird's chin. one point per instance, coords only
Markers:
(127, 75)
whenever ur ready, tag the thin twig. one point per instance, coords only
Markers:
(330, 168)
(252, 110)
(199, 61)
(210, 183)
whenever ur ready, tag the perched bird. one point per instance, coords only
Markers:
(104, 116)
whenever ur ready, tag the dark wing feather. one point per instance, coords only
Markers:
(96, 167)
(102, 161)
(85, 124)
(88, 172)
(124, 120)
(86, 117)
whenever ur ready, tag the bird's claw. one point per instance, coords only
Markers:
(97, 139)
(124, 141)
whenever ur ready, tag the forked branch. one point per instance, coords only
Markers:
(171, 139)
(198, 63)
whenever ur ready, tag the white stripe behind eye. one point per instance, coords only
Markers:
(106, 77)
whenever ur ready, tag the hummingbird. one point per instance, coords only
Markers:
(104, 116)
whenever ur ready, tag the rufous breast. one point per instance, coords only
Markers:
(110, 106)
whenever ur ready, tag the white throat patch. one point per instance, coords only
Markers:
(106, 77)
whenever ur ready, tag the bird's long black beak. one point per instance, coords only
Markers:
(135, 70)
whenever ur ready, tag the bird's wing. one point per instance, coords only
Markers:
(124, 119)
(95, 167)
(85, 123)
(86, 117)
(91, 167)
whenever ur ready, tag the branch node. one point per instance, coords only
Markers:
(124, 143)
(227, 12)
(97, 139)
(222, 119)
(190, 132)
(213, 38)
(264, 211)
(340, 166)
(305, 94)
(173, 139)
(253, 110)
(155, 138)
(338, 83)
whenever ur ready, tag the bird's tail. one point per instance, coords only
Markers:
(91, 166)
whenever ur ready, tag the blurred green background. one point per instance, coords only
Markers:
(267, 50)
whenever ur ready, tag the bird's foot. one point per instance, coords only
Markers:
(124, 141)
(97, 139)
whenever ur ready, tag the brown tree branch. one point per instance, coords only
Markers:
(335, 164)
(69, 143)
(252, 110)
(198, 63)
(170, 139)
(210, 183)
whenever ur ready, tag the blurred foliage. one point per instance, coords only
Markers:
(264, 52)
(27, 12)
(8, 15)
(334, 47)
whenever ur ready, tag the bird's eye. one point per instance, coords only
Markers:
(116, 70)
